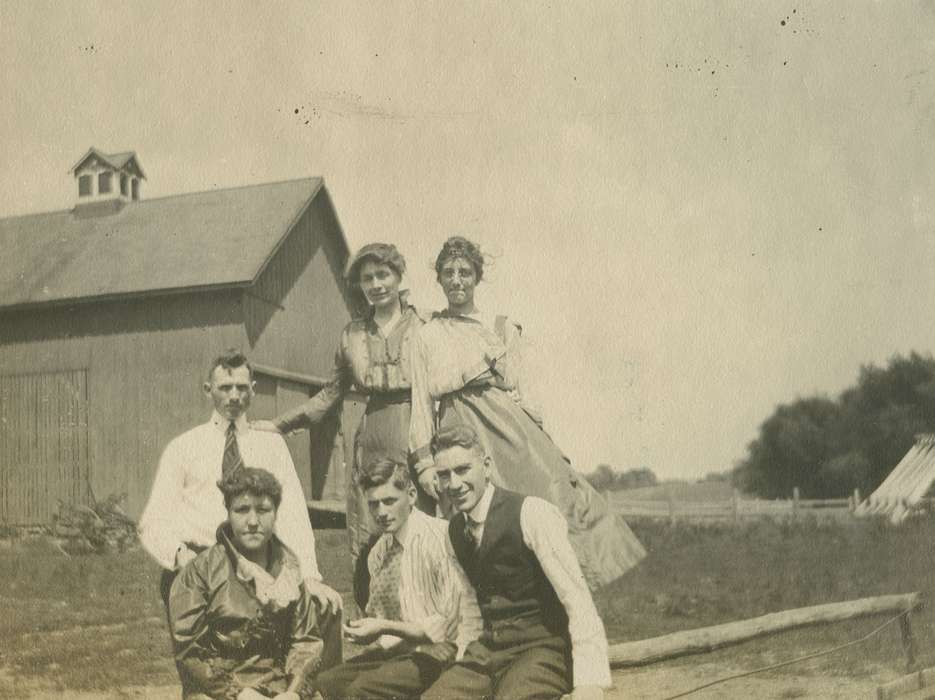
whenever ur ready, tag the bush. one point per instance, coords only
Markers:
(605, 478)
(103, 526)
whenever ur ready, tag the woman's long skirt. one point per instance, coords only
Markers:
(526, 460)
(383, 433)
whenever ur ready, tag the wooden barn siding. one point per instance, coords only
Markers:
(44, 428)
(273, 396)
(295, 312)
(293, 317)
(145, 360)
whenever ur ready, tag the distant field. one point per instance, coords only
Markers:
(681, 491)
(95, 624)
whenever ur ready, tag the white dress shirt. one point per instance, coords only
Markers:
(185, 504)
(433, 589)
(545, 532)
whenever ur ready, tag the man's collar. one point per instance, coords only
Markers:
(478, 513)
(404, 534)
(475, 315)
(221, 423)
(277, 550)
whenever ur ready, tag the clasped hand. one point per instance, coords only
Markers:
(328, 599)
(251, 694)
(428, 480)
(587, 692)
(364, 630)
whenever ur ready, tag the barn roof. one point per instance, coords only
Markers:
(152, 246)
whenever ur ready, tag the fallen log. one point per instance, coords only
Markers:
(327, 514)
(705, 639)
(335, 507)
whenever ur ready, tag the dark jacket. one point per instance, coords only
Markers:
(226, 639)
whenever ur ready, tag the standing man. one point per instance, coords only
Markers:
(421, 611)
(184, 512)
(542, 635)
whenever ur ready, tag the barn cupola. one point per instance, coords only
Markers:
(113, 178)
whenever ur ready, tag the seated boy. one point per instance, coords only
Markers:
(542, 635)
(421, 612)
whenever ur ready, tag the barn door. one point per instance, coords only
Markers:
(43, 445)
(322, 454)
(273, 396)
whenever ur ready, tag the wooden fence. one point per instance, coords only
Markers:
(706, 639)
(734, 510)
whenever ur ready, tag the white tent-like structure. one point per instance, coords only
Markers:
(906, 485)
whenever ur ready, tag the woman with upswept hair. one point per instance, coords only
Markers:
(372, 358)
(465, 361)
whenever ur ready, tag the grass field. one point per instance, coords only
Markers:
(95, 623)
(701, 491)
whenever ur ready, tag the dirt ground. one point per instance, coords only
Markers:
(658, 683)
(653, 683)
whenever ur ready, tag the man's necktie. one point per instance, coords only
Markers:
(384, 588)
(232, 459)
(471, 528)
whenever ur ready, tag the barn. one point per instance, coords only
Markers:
(110, 312)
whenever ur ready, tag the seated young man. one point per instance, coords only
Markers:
(421, 611)
(542, 635)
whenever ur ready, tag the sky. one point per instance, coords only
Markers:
(697, 211)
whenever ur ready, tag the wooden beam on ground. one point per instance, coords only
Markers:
(327, 514)
(335, 507)
(705, 639)
(915, 686)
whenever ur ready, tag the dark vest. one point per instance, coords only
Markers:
(516, 599)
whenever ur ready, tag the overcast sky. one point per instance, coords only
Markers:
(697, 211)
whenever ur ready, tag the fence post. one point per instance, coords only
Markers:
(795, 502)
(671, 499)
(735, 505)
(853, 501)
(905, 630)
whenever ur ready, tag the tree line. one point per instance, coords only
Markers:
(828, 447)
(606, 478)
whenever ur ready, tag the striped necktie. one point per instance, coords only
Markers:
(232, 459)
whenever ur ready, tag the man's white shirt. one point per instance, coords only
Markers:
(186, 506)
(433, 589)
(545, 532)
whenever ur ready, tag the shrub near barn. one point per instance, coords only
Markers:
(103, 526)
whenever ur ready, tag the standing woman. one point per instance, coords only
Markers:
(373, 357)
(465, 359)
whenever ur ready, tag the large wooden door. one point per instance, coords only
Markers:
(43, 445)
